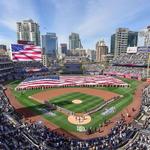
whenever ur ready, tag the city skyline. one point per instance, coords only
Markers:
(93, 19)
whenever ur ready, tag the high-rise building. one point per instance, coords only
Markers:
(112, 44)
(50, 44)
(101, 51)
(74, 41)
(3, 47)
(63, 47)
(28, 30)
(3, 50)
(123, 39)
(132, 38)
(144, 37)
(91, 55)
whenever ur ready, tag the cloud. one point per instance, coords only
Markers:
(6, 40)
(14, 11)
(102, 16)
(92, 19)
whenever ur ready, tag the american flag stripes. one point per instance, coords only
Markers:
(70, 81)
(21, 52)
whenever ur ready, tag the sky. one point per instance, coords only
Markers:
(93, 19)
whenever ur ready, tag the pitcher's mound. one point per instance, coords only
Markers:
(77, 101)
(79, 120)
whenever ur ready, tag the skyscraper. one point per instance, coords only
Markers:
(50, 44)
(132, 38)
(3, 47)
(63, 47)
(112, 45)
(91, 54)
(74, 41)
(123, 39)
(101, 51)
(28, 30)
(144, 37)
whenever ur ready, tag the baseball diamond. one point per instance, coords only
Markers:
(88, 113)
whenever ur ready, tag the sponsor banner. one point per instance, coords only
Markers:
(109, 111)
(144, 49)
(131, 49)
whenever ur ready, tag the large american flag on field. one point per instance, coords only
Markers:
(21, 52)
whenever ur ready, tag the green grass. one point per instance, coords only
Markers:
(61, 120)
(88, 101)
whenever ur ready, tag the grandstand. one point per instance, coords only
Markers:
(17, 134)
(29, 69)
(6, 68)
(92, 69)
(129, 65)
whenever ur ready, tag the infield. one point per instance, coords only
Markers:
(61, 119)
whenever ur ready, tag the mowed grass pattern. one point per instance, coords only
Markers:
(88, 101)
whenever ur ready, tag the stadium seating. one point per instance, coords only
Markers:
(138, 59)
(6, 68)
(129, 66)
(16, 134)
(126, 72)
(92, 69)
(28, 69)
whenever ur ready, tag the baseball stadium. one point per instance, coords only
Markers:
(109, 110)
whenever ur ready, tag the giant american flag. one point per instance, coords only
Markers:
(21, 52)
(38, 82)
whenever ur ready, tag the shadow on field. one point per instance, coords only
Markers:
(32, 111)
(63, 103)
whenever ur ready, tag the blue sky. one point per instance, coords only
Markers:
(92, 19)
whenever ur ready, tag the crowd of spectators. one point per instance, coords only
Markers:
(17, 134)
(28, 69)
(138, 59)
(142, 142)
(133, 72)
(92, 69)
(12, 134)
(142, 139)
(129, 65)
(6, 68)
(146, 96)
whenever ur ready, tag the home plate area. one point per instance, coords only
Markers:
(79, 119)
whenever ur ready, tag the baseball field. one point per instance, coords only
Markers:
(77, 100)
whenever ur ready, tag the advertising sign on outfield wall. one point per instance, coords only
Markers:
(131, 49)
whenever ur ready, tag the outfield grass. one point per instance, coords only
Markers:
(61, 120)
